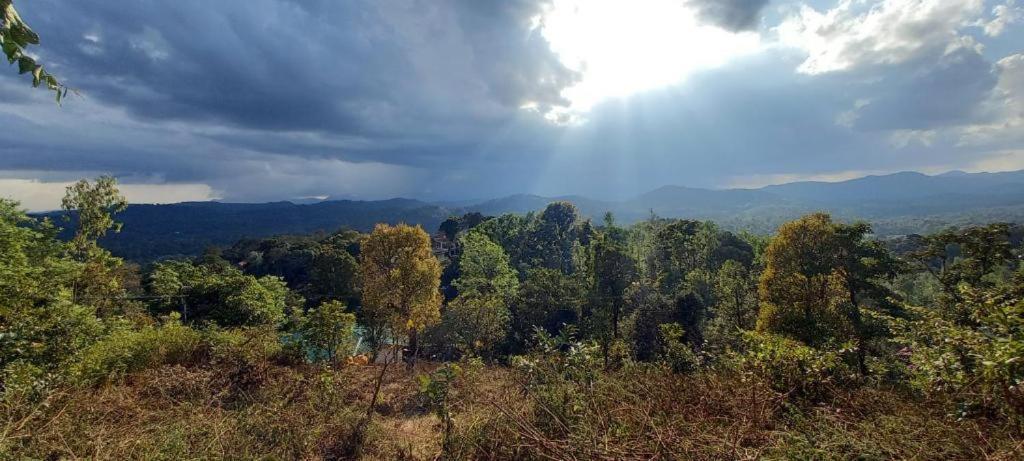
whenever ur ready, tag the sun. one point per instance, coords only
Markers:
(622, 47)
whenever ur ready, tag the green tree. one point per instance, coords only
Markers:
(958, 257)
(210, 293)
(736, 306)
(818, 278)
(509, 231)
(614, 272)
(334, 274)
(478, 318)
(801, 292)
(681, 247)
(548, 299)
(401, 281)
(93, 205)
(330, 331)
(867, 270)
(41, 328)
(552, 237)
(15, 36)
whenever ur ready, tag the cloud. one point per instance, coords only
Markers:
(279, 99)
(856, 33)
(1005, 15)
(36, 195)
(396, 68)
(1003, 126)
(734, 15)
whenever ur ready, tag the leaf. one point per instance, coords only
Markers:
(26, 64)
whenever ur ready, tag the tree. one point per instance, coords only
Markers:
(329, 331)
(211, 293)
(40, 326)
(93, 204)
(334, 274)
(818, 277)
(15, 36)
(866, 268)
(734, 292)
(478, 318)
(509, 231)
(614, 270)
(552, 237)
(954, 257)
(801, 292)
(401, 280)
(548, 299)
(680, 247)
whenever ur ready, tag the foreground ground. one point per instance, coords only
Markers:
(281, 412)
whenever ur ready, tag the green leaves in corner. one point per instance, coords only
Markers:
(15, 35)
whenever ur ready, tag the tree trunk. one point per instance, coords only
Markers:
(359, 434)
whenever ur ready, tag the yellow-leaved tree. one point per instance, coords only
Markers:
(401, 281)
(802, 290)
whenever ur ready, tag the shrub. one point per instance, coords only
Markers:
(791, 367)
(329, 332)
(23, 382)
(677, 354)
(126, 351)
(560, 373)
(244, 346)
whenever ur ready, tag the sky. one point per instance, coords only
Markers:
(266, 100)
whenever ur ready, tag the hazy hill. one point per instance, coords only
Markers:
(152, 231)
(896, 204)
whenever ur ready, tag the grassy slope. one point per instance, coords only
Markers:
(280, 412)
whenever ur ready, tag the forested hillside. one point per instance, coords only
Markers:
(904, 203)
(540, 336)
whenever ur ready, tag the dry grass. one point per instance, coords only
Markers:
(279, 412)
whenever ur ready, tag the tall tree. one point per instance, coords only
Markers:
(801, 292)
(614, 271)
(40, 326)
(478, 318)
(955, 257)
(401, 281)
(818, 277)
(94, 204)
(548, 299)
(734, 292)
(866, 268)
(553, 236)
(334, 274)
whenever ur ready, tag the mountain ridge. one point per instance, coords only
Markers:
(895, 203)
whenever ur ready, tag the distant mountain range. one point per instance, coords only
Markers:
(898, 203)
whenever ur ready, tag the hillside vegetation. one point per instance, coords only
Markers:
(539, 336)
(903, 203)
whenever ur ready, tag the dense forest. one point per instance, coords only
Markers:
(895, 204)
(537, 336)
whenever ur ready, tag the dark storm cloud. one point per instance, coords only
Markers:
(277, 99)
(355, 68)
(733, 15)
(947, 90)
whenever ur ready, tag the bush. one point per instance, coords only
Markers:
(560, 373)
(677, 354)
(245, 346)
(791, 367)
(329, 332)
(126, 351)
(23, 382)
